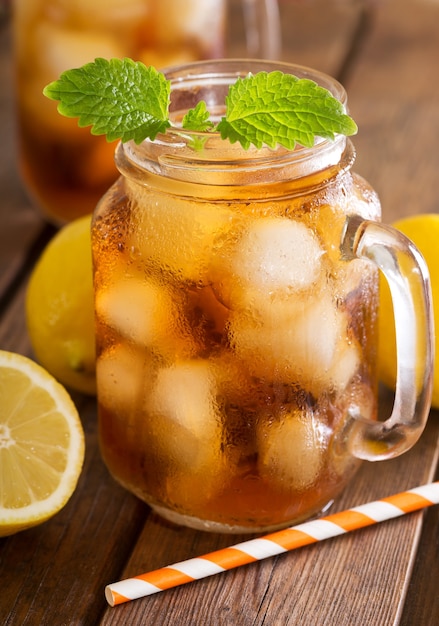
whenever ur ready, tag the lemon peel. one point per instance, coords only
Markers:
(41, 444)
(60, 310)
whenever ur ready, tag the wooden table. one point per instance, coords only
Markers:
(386, 54)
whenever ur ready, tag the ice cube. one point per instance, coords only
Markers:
(295, 344)
(350, 275)
(184, 414)
(185, 394)
(146, 314)
(54, 49)
(273, 259)
(58, 49)
(278, 254)
(136, 309)
(123, 379)
(291, 450)
(195, 20)
(345, 364)
(107, 13)
(177, 237)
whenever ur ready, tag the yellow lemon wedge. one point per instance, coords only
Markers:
(423, 230)
(60, 309)
(41, 444)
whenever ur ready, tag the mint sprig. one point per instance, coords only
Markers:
(126, 100)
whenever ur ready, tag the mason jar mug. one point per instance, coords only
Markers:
(236, 308)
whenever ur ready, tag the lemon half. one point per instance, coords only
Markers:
(60, 309)
(41, 444)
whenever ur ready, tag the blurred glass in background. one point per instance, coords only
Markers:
(66, 169)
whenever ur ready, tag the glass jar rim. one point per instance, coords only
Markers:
(242, 67)
(172, 154)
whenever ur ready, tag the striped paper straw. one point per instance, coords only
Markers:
(272, 544)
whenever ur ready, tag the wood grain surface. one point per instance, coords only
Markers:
(386, 54)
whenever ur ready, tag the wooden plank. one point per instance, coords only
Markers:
(425, 575)
(393, 96)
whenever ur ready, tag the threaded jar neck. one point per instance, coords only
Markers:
(172, 156)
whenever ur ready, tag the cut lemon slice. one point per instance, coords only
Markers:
(41, 444)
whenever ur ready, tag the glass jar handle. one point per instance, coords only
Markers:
(407, 275)
(262, 28)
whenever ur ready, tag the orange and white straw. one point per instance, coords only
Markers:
(272, 544)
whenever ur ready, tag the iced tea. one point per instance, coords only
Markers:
(233, 339)
(65, 168)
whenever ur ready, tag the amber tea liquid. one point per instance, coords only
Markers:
(232, 342)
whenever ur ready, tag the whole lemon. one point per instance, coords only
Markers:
(60, 310)
(423, 230)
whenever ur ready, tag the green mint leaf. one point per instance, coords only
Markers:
(198, 118)
(274, 108)
(126, 100)
(120, 98)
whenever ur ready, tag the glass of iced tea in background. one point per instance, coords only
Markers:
(236, 302)
(65, 169)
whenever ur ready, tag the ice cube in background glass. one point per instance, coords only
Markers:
(291, 449)
(62, 48)
(43, 111)
(24, 14)
(106, 13)
(191, 20)
(54, 49)
(146, 314)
